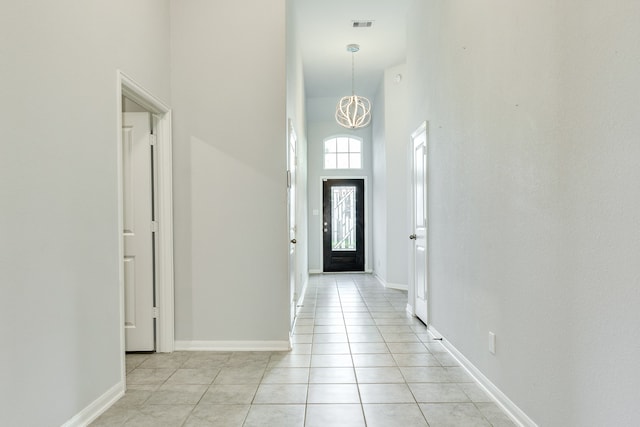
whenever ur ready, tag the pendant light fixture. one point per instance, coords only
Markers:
(353, 111)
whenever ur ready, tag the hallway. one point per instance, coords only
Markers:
(358, 360)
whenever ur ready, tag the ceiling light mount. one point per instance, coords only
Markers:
(353, 48)
(353, 111)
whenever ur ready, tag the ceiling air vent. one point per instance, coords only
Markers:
(362, 24)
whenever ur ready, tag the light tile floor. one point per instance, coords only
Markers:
(358, 360)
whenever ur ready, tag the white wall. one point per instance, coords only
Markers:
(391, 179)
(318, 131)
(379, 181)
(59, 291)
(534, 197)
(296, 111)
(231, 238)
(397, 143)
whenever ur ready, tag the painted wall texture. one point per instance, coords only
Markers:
(391, 179)
(296, 112)
(231, 281)
(534, 196)
(59, 287)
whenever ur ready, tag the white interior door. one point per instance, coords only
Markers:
(420, 222)
(137, 233)
(291, 200)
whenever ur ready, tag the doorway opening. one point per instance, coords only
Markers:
(419, 273)
(139, 167)
(132, 96)
(343, 225)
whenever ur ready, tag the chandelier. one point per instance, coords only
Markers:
(353, 111)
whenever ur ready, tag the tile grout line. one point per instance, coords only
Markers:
(353, 363)
(378, 306)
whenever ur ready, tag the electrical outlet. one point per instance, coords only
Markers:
(492, 343)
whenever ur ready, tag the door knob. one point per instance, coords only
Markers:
(294, 241)
(412, 237)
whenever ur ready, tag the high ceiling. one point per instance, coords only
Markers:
(325, 29)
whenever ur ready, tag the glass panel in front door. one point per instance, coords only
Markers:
(343, 218)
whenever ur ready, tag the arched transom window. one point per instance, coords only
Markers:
(343, 152)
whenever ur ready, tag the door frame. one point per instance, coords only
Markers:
(422, 128)
(164, 286)
(367, 234)
(292, 220)
(357, 255)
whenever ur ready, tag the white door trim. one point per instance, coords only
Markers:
(126, 86)
(367, 236)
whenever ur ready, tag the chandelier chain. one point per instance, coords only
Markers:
(353, 73)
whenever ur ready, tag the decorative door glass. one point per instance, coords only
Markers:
(343, 218)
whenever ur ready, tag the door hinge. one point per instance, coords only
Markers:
(154, 226)
(152, 140)
(155, 313)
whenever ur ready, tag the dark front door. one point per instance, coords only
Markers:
(343, 220)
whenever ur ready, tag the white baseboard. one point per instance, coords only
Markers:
(410, 310)
(380, 279)
(398, 286)
(516, 414)
(97, 407)
(284, 345)
(388, 285)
